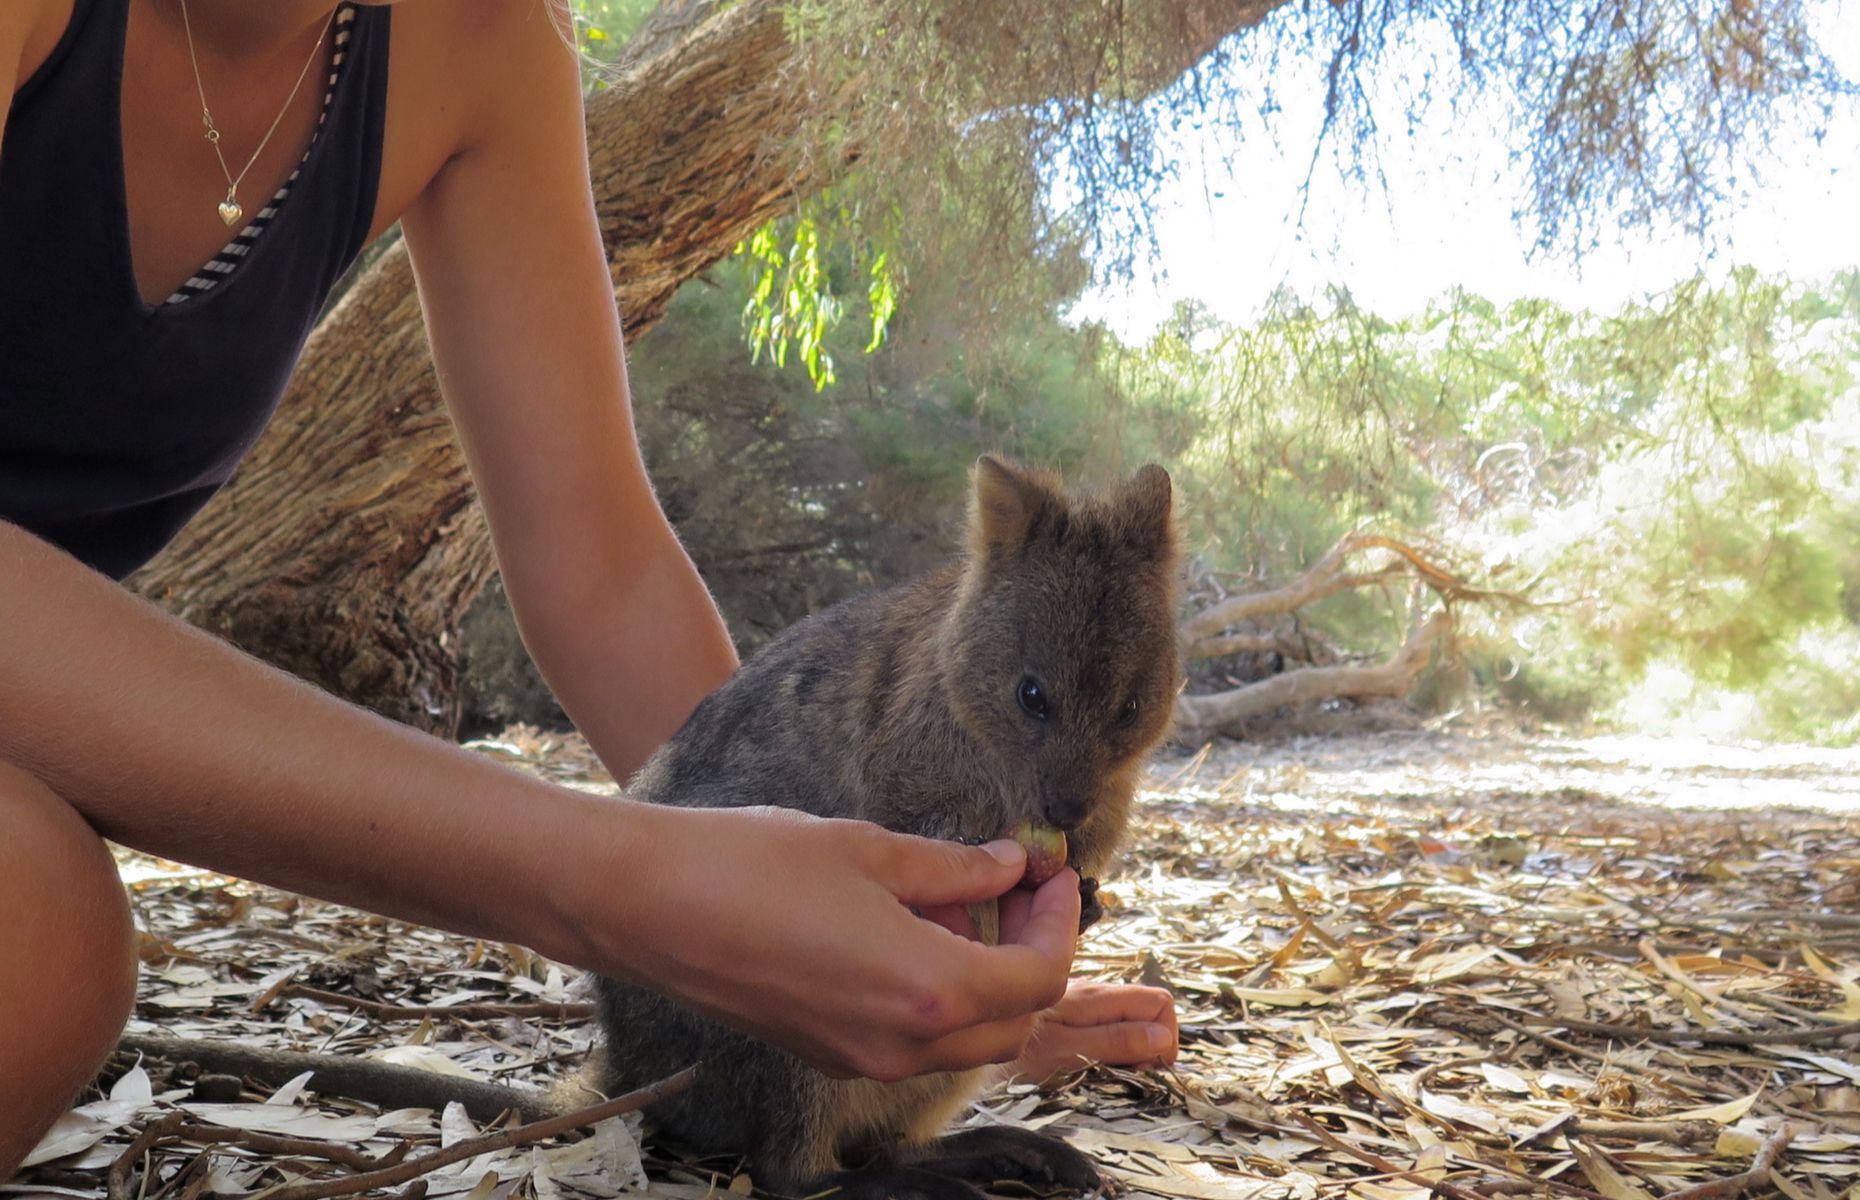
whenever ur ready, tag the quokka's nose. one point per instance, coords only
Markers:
(1064, 812)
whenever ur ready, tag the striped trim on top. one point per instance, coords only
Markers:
(233, 253)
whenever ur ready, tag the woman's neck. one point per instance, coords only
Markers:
(236, 30)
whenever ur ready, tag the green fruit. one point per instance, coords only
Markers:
(1045, 847)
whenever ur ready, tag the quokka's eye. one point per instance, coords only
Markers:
(1129, 714)
(1033, 699)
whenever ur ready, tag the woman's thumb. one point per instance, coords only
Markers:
(925, 872)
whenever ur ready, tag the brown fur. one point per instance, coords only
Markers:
(907, 707)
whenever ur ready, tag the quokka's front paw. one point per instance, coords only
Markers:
(1001, 1154)
(1090, 910)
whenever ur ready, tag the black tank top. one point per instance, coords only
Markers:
(119, 419)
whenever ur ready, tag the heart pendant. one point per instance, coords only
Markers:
(230, 212)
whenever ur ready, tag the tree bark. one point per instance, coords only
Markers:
(349, 545)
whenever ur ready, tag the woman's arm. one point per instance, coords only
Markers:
(793, 928)
(523, 327)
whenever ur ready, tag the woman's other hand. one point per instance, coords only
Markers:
(1116, 1023)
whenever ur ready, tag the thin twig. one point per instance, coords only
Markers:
(1793, 1010)
(1679, 1133)
(1438, 1186)
(1736, 1185)
(303, 1147)
(459, 1151)
(414, 1012)
(1556, 1043)
(1769, 915)
(1711, 1037)
(155, 1131)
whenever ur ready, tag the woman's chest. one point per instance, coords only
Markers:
(208, 141)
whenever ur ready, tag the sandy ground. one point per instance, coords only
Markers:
(1454, 763)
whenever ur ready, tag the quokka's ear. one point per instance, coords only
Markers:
(1008, 506)
(1149, 501)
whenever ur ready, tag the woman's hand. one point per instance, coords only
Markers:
(799, 931)
(1120, 1024)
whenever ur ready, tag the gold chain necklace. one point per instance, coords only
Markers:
(230, 211)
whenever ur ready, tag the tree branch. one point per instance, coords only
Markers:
(1319, 581)
(1323, 578)
(354, 1078)
(1202, 716)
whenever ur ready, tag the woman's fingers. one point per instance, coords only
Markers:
(1088, 1002)
(1057, 1047)
(924, 873)
(1102, 1022)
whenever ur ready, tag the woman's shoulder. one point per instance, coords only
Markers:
(472, 35)
(470, 74)
(484, 57)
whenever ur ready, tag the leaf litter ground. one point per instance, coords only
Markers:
(1457, 963)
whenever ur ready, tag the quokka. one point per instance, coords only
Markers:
(1026, 680)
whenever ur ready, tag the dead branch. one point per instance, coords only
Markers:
(1678, 1133)
(267, 1143)
(1319, 581)
(1766, 915)
(1737, 1185)
(382, 1011)
(1201, 716)
(1200, 634)
(1710, 1037)
(118, 1183)
(1255, 643)
(471, 1148)
(377, 1082)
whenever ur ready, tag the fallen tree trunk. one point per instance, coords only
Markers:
(1209, 634)
(1199, 718)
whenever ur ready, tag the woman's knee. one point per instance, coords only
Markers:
(67, 957)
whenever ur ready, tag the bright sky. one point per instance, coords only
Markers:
(1229, 239)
